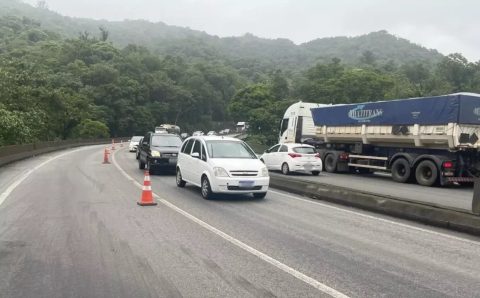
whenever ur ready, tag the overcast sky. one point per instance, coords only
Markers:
(446, 25)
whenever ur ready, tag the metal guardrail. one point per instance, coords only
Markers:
(12, 153)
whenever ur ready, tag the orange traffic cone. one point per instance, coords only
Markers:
(113, 144)
(147, 197)
(105, 156)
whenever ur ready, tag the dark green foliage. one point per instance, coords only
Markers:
(91, 129)
(247, 51)
(85, 87)
(64, 78)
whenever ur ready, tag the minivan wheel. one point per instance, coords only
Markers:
(179, 180)
(426, 173)
(285, 169)
(206, 189)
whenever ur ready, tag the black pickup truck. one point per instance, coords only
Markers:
(159, 151)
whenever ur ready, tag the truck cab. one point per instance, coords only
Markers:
(297, 123)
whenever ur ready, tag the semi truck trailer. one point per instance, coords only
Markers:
(428, 140)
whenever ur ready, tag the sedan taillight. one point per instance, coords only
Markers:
(293, 155)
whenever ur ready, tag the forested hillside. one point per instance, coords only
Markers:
(266, 53)
(59, 80)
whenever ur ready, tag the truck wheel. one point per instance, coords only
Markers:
(401, 170)
(141, 165)
(426, 173)
(330, 163)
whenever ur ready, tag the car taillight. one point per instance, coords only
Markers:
(343, 156)
(447, 165)
(293, 155)
(317, 155)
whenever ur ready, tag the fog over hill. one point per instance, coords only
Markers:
(163, 39)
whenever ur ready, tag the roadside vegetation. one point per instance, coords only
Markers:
(57, 86)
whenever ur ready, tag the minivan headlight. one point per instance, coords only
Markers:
(220, 172)
(264, 172)
(155, 153)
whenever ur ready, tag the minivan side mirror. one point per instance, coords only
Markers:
(195, 155)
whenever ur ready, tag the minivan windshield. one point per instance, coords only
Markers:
(229, 149)
(166, 141)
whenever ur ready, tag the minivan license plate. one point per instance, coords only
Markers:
(245, 184)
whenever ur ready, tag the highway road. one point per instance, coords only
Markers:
(70, 227)
(455, 197)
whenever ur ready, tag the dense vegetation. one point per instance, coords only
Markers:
(56, 84)
(248, 50)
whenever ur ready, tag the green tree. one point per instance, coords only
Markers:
(91, 129)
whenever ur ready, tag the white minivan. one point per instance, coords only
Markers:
(221, 165)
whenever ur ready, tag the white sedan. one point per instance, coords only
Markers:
(292, 158)
(221, 165)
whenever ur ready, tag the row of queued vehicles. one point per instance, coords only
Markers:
(216, 164)
(429, 140)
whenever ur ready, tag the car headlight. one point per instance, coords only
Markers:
(264, 172)
(220, 172)
(155, 153)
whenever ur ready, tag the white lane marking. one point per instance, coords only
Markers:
(376, 218)
(11, 188)
(297, 274)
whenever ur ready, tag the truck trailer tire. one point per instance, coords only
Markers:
(426, 173)
(401, 170)
(330, 163)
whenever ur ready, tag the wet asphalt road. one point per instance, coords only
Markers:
(72, 228)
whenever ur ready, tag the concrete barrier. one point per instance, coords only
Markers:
(9, 154)
(452, 219)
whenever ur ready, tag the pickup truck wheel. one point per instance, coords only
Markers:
(179, 180)
(206, 189)
(141, 165)
(330, 163)
(401, 170)
(426, 173)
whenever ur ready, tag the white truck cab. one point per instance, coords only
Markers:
(297, 123)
